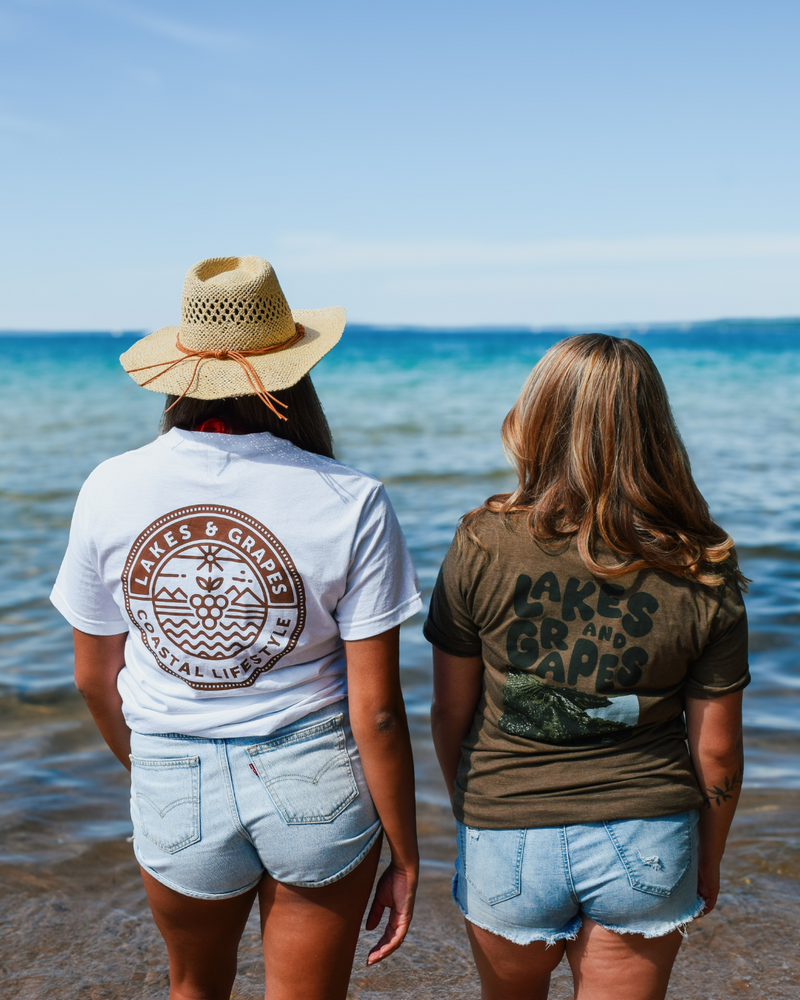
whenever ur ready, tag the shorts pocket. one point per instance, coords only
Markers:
(167, 795)
(307, 773)
(491, 861)
(656, 853)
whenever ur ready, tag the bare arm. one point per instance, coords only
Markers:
(714, 729)
(457, 688)
(98, 661)
(378, 720)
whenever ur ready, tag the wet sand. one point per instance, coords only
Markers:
(80, 927)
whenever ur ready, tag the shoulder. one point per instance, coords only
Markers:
(721, 599)
(115, 472)
(490, 537)
(293, 460)
(726, 605)
(364, 481)
(484, 526)
(709, 612)
(353, 487)
(483, 545)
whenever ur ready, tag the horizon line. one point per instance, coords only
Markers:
(631, 326)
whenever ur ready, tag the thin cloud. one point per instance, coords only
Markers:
(183, 32)
(311, 251)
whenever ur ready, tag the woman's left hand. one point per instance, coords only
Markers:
(714, 729)
(708, 883)
(396, 890)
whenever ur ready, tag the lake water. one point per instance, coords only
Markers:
(422, 412)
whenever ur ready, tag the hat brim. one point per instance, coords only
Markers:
(210, 378)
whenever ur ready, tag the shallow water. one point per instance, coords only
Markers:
(422, 412)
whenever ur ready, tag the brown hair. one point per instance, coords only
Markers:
(306, 425)
(598, 456)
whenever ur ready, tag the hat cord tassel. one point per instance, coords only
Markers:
(240, 357)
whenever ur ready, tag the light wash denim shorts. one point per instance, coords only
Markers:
(634, 876)
(210, 816)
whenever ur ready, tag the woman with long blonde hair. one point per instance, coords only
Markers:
(590, 652)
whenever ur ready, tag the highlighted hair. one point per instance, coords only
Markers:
(598, 456)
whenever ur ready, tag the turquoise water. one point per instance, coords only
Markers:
(422, 411)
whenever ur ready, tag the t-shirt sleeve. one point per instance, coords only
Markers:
(79, 592)
(722, 666)
(449, 625)
(382, 589)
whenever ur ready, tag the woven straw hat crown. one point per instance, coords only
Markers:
(234, 303)
(237, 335)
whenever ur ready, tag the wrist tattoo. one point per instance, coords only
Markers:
(720, 795)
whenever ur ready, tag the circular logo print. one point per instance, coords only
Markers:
(215, 596)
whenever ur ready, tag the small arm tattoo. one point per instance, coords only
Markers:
(720, 795)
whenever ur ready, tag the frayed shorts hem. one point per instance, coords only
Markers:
(526, 936)
(570, 932)
(662, 929)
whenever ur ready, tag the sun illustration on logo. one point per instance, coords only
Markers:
(215, 596)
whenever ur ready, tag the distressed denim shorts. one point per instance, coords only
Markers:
(634, 876)
(210, 816)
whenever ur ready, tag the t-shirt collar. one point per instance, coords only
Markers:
(241, 444)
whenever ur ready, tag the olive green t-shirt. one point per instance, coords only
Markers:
(581, 716)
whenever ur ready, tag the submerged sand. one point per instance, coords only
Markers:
(79, 927)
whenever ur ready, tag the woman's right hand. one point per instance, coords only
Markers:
(395, 891)
(380, 728)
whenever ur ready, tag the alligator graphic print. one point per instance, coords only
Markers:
(215, 596)
(549, 714)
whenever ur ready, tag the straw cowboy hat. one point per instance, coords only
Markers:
(237, 336)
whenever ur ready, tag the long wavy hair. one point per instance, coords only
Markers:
(599, 457)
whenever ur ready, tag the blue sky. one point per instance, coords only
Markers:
(433, 162)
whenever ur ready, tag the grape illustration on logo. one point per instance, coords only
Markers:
(215, 596)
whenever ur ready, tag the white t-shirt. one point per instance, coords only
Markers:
(237, 564)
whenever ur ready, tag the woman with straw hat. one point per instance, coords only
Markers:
(585, 627)
(236, 597)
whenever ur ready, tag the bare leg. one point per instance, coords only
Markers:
(607, 966)
(511, 971)
(310, 935)
(202, 939)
